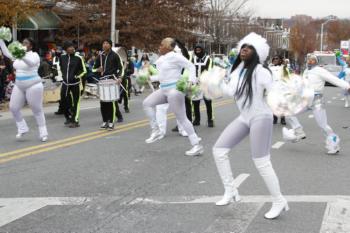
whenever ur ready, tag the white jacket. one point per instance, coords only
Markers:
(262, 82)
(26, 66)
(277, 72)
(318, 77)
(170, 66)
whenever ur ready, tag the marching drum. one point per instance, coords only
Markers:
(91, 89)
(108, 90)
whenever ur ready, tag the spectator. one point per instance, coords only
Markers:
(5, 70)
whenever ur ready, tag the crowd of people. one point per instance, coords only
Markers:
(247, 81)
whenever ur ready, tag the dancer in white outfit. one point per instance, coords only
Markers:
(248, 83)
(170, 65)
(28, 88)
(317, 77)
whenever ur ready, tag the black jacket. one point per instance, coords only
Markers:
(111, 64)
(73, 68)
(202, 63)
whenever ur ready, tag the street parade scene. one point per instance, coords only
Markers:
(174, 116)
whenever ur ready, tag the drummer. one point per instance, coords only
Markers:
(109, 66)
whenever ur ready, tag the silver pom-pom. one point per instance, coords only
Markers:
(291, 96)
(210, 82)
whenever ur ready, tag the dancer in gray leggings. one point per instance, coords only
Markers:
(317, 77)
(28, 88)
(248, 83)
(170, 66)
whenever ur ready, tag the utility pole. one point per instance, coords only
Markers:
(113, 15)
(14, 29)
(330, 18)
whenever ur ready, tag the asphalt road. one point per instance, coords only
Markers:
(87, 180)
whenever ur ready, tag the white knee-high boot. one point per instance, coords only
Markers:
(279, 203)
(224, 168)
(22, 128)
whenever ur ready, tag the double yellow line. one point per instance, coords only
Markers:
(33, 150)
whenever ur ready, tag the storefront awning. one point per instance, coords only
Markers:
(43, 20)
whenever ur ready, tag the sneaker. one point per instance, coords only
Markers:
(299, 134)
(74, 125)
(155, 135)
(59, 112)
(283, 121)
(333, 151)
(104, 125)
(275, 119)
(195, 151)
(196, 123)
(175, 129)
(120, 120)
(289, 135)
(20, 136)
(110, 126)
(211, 124)
(332, 144)
(43, 138)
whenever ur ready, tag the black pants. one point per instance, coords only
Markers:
(129, 86)
(124, 95)
(109, 110)
(70, 102)
(196, 109)
(275, 119)
(2, 87)
(188, 105)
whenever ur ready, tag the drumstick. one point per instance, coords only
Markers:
(101, 63)
(123, 88)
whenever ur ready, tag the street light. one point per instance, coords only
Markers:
(113, 13)
(322, 26)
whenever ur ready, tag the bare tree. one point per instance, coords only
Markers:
(140, 23)
(337, 31)
(303, 38)
(224, 19)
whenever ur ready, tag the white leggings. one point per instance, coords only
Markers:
(25, 91)
(161, 115)
(176, 102)
(259, 131)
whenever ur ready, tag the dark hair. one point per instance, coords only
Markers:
(146, 57)
(184, 50)
(246, 88)
(31, 42)
(108, 41)
(67, 44)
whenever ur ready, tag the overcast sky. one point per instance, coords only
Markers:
(314, 8)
